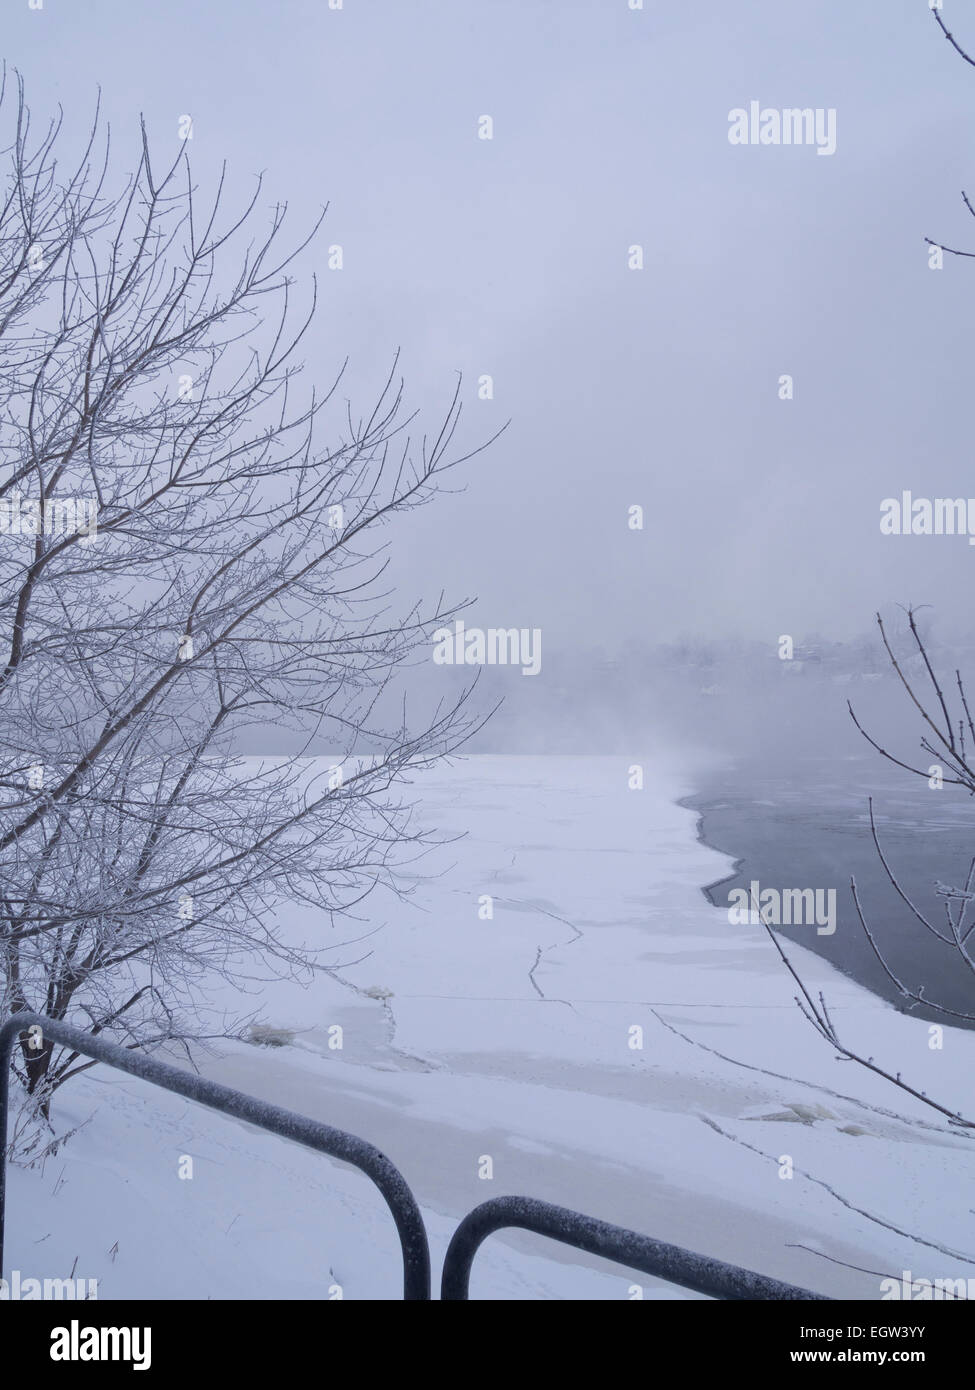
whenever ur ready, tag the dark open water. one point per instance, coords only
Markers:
(810, 828)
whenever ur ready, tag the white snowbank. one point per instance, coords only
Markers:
(510, 1038)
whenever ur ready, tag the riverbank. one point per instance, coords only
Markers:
(604, 1038)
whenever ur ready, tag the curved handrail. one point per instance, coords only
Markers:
(670, 1262)
(286, 1123)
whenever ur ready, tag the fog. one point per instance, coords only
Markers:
(490, 786)
(508, 257)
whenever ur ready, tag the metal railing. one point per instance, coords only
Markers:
(334, 1142)
(656, 1257)
(669, 1262)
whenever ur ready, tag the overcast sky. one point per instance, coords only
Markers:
(509, 257)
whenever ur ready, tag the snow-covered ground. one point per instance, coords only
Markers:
(513, 1038)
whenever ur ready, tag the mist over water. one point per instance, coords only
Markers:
(789, 796)
(783, 779)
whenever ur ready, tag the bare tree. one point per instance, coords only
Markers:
(183, 559)
(950, 738)
(965, 199)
